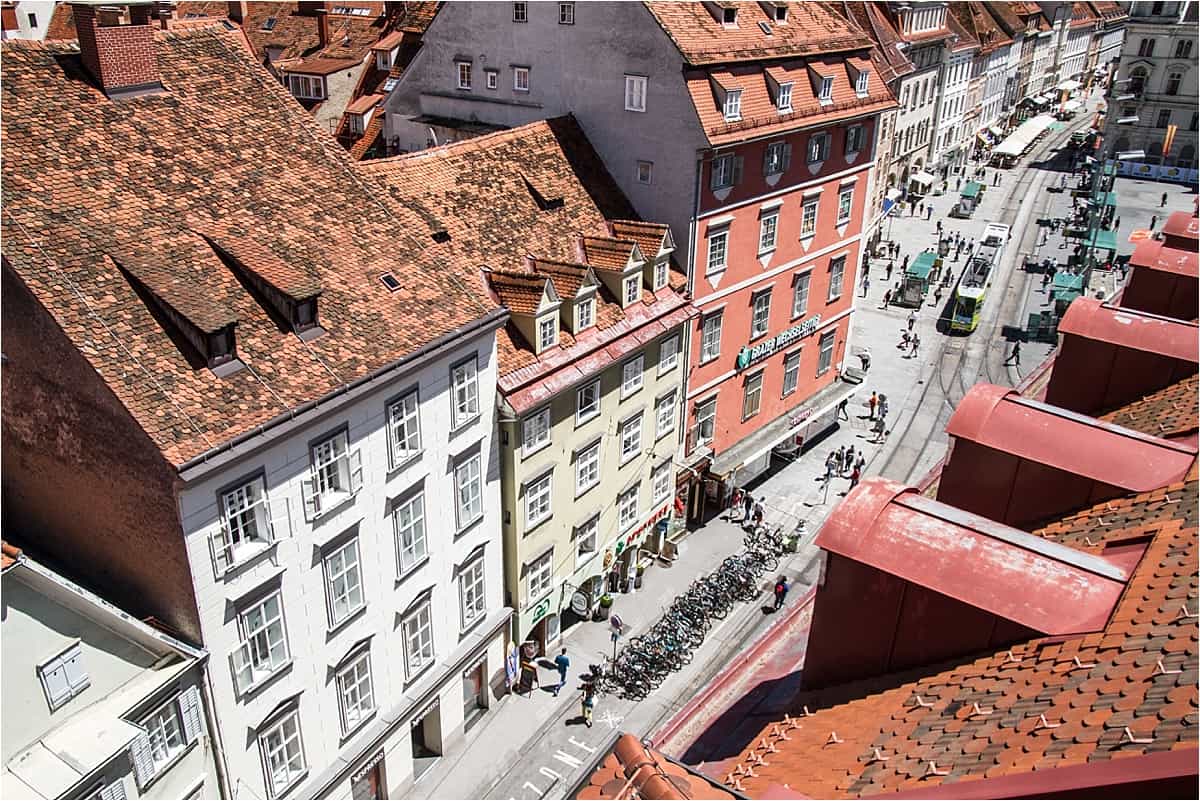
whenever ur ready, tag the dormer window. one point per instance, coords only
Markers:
(547, 332)
(305, 316)
(220, 347)
(307, 87)
(783, 101)
(860, 85)
(733, 105)
(632, 291)
(357, 124)
(660, 274)
(825, 95)
(780, 13)
(585, 314)
(384, 59)
(729, 17)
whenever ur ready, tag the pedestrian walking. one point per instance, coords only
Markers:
(883, 405)
(1015, 356)
(854, 477)
(562, 662)
(866, 285)
(842, 414)
(891, 265)
(887, 299)
(864, 356)
(850, 458)
(588, 702)
(829, 466)
(866, 266)
(736, 503)
(747, 505)
(912, 319)
(916, 344)
(929, 211)
(904, 264)
(1164, 200)
(1117, 224)
(1153, 222)
(872, 402)
(781, 591)
(939, 227)
(957, 183)
(877, 430)
(758, 513)
(861, 463)
(937, 295)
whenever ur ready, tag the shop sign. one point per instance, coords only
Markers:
(579, 604)
(749, 355)
(372, 762)
(540, 610)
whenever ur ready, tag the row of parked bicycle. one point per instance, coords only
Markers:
(648, 658)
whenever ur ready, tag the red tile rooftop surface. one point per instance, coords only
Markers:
(1129, 688)
(491, 193)
(632, 771)
(1169, 413)
(811, 28)
(224, 146)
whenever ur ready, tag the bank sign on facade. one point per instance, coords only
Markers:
(749, 355)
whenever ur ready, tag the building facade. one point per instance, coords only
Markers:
(97, 704)
(290, 458)
(27, 19)
(952, 143)
(1109, 38)
(1157, 83)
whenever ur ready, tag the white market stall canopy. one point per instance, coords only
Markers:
(1071, 106)
(1024, 136)
(1069, 86)
(922, 177)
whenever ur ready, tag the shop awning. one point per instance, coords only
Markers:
(1104, 240)
(1108, 198)
(1024, 136)
(1071, 106)
(893, 194)
(922, 177)
(921, 266)
(1069, 85)
(972, 189)
(996, 132)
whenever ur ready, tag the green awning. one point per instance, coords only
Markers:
(1103, 239)
(1110, 168)
(921, 266)
(1108, 198)
(1065, 280)
(972, 189)
(1065, 295)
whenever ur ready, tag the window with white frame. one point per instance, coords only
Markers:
(661, 271)
(547, 332)
(472, 598)
(733, 105)
(855, 138)
(768, 226)
(566, 13)
(777, 158)
(633, 290)
(64, 676)
(539, 577)
(585, 314)
(783, 100)
(418, 640)
(520, 79)
(800, 294)
(791, 373)
(383, 60)
(627, 509)
(307, 87)
(862, 83)
(282, 753)
(645, 172)
(585, 538)
(668, 354)
(808, 217)
(726, 171)
(706, 421)
(263, 648)
(408, 520)
(537, 500)
(587, 468)
(468, 491)
(535, 431)
(837, 272)
(664, 415)
(825, 95)
(404, 428)
(343, 583)
(491, 79)
(631, 438)
(718, 245)
(710, 337)
(752, 395)
(631, 375)
(587, 402)
(335, 475)
(660, 482)
(760, 321)
(825, 356)
(464, 382)
(845, 204)
(357, 123)
(170, 729)
(635, 93)
(246, 526)
(818, 148)
(356, 693)
(520, 12)
(462, 74)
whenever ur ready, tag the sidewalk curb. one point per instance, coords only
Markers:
(726, 675)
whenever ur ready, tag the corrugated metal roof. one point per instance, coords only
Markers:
(1021, 577)
(998, 417)
(1092, 319)
(1182, 224)
(1159, 256)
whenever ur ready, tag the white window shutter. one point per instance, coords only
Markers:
(737, 169)
(243, 668)
(143, 761)
(767, 161)
(76, 675)
(281, 519)
(356, 472)
(312, 498)
(390, 430)
(114, 790)
(189, 708)
(54, 676)
(787, 155)
(222, 554)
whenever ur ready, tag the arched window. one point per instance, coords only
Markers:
(1173, 81)
(1137, 80)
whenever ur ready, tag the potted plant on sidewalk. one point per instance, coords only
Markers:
(605, 607)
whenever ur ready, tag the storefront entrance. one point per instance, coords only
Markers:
(475, 699)
(369, 782)
(426, 741)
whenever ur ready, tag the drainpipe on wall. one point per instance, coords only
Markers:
(214, 734)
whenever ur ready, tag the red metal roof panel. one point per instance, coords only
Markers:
(1092, 319)
(1182, 224)
(1159, 256)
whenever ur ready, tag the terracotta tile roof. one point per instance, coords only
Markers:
(523, 192)
(1129, 689)
(975, 19)
(1082, 15)
(62, 23)
(609, 253)
(650, 237)
(9, 554)
(811, 29)
(370, 136)
(364, 104)
(1109, 11)
(890, 59)
(1005, 17)
(520, 293)
(1170, 412)
(759, 112)
(566, 277)
(631, 770)
(966, 39)
(96, 174)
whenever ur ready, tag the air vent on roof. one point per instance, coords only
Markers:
(441, 236)
(269, 24)
(390, 282)
(765, 27)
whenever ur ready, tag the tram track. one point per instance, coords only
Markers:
(952, 373)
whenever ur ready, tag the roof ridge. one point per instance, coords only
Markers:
(471, 143)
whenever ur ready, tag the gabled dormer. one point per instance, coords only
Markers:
(727, 96)
(781, 87)
(822, 76)
(776, 12)
(532, 304)
(575, 285)
(618, 263)
(858, 69)
(725, 13)
(656, 244)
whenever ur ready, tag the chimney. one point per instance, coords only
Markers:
(236, 11)
(120, 57)
(1112, 356)
(323, 28)
(164, 12)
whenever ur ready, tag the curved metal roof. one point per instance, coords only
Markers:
(1166, 336)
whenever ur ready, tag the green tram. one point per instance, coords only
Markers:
(972, 287)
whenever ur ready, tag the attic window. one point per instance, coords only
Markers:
(390, 282)
(441, 236)
(729, 16)
(826, 93)
(390, 84)
(733, 105)
(220, 347)
(783, 100)
(269, 24)
(765, 27)
(860, 85)
(781, 13)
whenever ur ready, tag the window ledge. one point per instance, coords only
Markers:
(767, 251)
(251, 555)
(338, 626)
(468, 526)
(337, 501)
(244, 694)
(663, 371)
(581, 421)
(628, 459)
(658, 437)
(409, 679)
(709, 360)
(346, 735)
(456, 429)
(169, 764)
(420, 563)
(579, 493)
(472, 625)
(405, 461)
(282, 792)
(525, 454)
(532, 527)
(627, 395)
